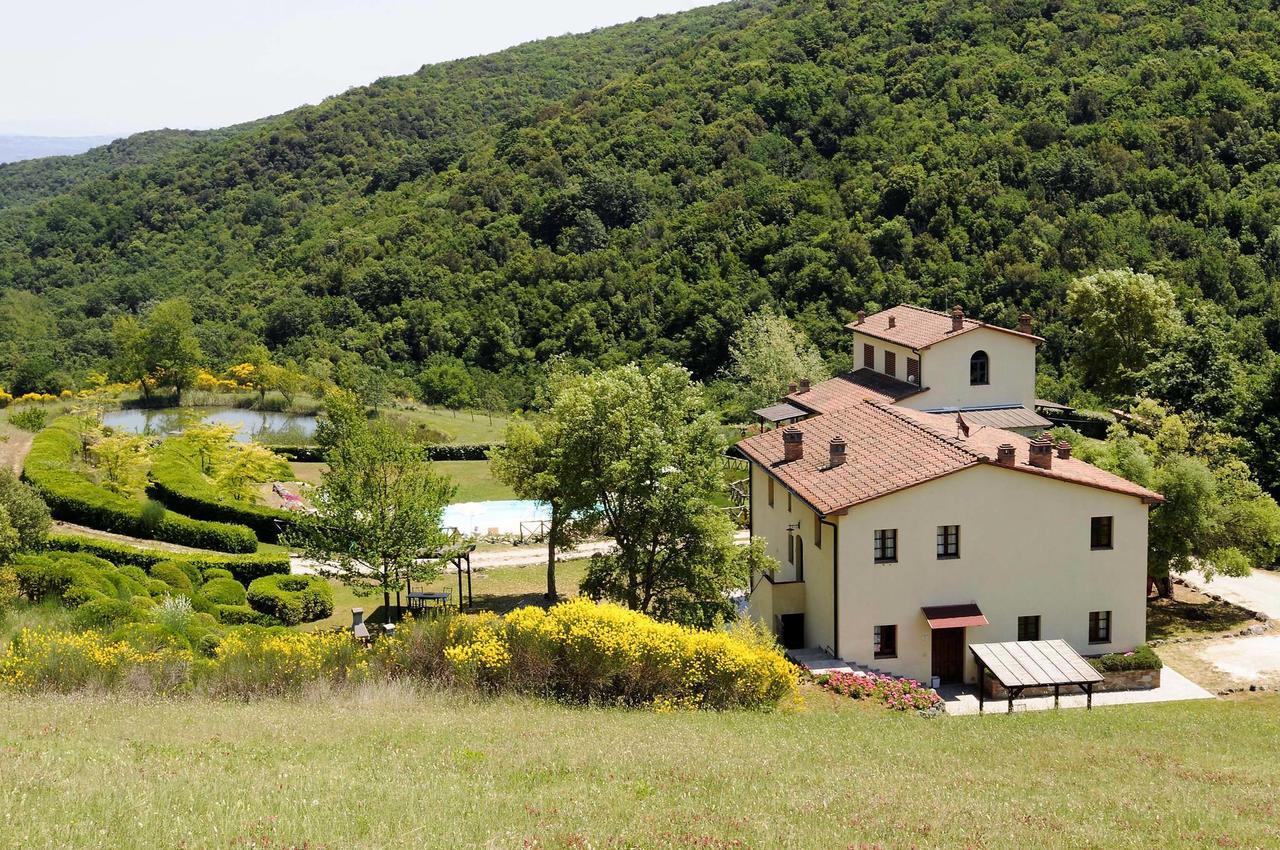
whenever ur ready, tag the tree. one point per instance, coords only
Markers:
(211, 440)
(378, 507)
(531, 461)
(27, 512)
(130, 360)
(122, 461)
(1121, 316)
(767, 353)
(244, 465)
(640, 455)
(172, 350)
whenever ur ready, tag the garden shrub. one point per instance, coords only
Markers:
(234, 615)
(292, 599)
(897, 694)
(28, 514)
(29, 418)
(584, 652)
(244, 568)
(215, 572)
(1141, 658)
(73, 497)
(254, 661)
(173, 575)
(178, 481)
(104, 614)
(69, 661)
(72, 578)
(9, 589)
(223, 591)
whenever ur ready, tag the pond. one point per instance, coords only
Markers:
(264, 426)
(502, 515)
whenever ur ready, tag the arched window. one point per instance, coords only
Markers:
(979, 369)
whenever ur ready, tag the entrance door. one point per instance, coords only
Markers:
(948, 655)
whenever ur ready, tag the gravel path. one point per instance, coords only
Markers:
(1259, 591)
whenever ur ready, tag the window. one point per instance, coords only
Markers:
(886, 545)
(1100, 532)
(1099, 627)
(913, 370)
(869, 356)
(817, 531)
(1029, 627)
(979, 369)
(797, 556)
(890, 363)
(948, 541)
(770, 492)
(885, 642)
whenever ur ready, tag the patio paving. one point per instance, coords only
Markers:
(1173, 687)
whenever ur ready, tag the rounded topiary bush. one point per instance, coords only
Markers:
(239, 615)
(224, 591)
(104, 614)
(211, 573)
(172, 574)
(292, 599)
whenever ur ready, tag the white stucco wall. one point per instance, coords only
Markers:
(1024, 544)
(881, 347)
(944, 369)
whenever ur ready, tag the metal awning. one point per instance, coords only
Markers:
(1033, 663)
(781, 412)
(954, 616)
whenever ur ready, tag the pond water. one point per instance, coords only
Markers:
(504, 515)
(263, 426)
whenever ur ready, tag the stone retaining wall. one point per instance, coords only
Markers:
(1124, 680)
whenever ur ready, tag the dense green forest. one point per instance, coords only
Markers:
(637, 191)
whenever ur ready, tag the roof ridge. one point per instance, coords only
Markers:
(920, 426)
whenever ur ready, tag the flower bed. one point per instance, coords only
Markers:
(897, 694)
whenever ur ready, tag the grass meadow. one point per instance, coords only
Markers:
(393, 767)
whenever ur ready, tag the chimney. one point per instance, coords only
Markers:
(1024, 323)
(837, 451)
(1004, 454)
(1042, 452)
(792, 444)
(862, 316)
(957, 318)
(1064, 450)
(791, 388)
(893, 321)
(804, 385)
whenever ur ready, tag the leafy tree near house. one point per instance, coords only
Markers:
(767, 353)
(160, 349)
(1122, 316)
(639, 454)
(378, 507)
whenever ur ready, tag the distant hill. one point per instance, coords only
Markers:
(16, 148)
(635, 191)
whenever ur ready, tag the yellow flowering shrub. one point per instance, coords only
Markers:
(34, 397)
(253, 661)
(6, 398)
(69, 661)
(583, 651)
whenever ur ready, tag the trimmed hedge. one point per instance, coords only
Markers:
(292, 599)
(243, 568)
(224, 591)
(74, 498)
(1142, 658)
(436, 451)
(177, 481)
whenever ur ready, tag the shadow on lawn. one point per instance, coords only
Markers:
(1190, 614)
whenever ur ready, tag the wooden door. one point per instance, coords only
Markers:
(948, 655)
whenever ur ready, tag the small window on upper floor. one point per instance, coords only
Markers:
(979, 369)
(868, 356)
(1100, 532)
(891, 364)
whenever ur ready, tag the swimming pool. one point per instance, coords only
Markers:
(502, 515)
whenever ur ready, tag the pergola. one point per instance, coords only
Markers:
(777, 414)
(1022, 664)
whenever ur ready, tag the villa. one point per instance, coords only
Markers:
(917, 509)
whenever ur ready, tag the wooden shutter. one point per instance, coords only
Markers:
(913, 370)
(890, 363)
(869, 356)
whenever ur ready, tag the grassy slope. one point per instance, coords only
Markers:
(475, 482)
(94, 772)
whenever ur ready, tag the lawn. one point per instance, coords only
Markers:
(498, 589)
(475, 482)
(389, 767)
(457, 426)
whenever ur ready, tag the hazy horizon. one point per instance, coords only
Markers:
(80, 69)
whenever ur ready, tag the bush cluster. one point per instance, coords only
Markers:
(243, 568)
(1141, 658)
(897, 694)
(291, 599)
(176, 480)
(584, 652)
(73, 497)
(435, 451)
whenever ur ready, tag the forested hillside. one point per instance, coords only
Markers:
(638, 190)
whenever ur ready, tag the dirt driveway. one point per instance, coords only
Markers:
(13, 451)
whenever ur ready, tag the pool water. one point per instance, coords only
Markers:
(502, 515)
(264, 426)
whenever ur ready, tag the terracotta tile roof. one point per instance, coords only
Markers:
(853, 388)
(1014, 416)
(985, 441)
(886, 451)
(892, 448)
(918, 327)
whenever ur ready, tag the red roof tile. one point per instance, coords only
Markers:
(853, 388)
(918, 327)
(892, 448)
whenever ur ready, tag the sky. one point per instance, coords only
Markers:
(88, 67)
